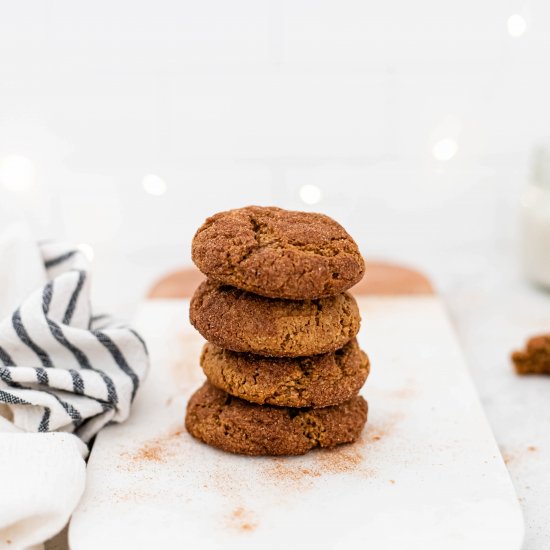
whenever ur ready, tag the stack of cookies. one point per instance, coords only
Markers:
(283, 365)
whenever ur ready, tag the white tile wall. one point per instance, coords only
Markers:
(244, 102)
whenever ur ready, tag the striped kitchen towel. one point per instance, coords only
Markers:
(62, 367)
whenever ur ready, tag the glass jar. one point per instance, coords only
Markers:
(535, 221)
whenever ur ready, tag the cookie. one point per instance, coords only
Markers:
(236, 426)
(278, 253)
(536, 357)
(315, 381)
(245, 322)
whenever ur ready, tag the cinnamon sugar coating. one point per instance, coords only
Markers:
(233, 425)
(314, 381)
(278, 253)
(244, 322)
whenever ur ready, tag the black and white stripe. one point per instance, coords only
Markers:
(52, 262)
(78, 371)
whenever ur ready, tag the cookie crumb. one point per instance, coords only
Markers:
(535, 359)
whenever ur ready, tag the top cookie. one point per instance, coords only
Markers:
(278, 253)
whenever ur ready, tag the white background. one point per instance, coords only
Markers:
(232, 103)
(243, 102)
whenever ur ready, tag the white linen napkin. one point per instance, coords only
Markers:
(62, 369)
(42, 479)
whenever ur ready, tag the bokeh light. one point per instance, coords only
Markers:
(310, 194)
(154, 185)
(444, 149)
(517, 25)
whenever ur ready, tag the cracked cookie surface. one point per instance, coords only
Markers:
(315, 381)
(231, 424)
(278, 253)
(244, 322)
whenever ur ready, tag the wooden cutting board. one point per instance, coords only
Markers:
(426, 473)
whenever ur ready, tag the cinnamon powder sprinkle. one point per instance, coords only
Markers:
(150, 451)
(518, 454)
(158, 450)
(340, 460)
(242, 520)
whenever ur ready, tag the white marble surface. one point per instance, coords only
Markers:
(494, 310)
(426, 474)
